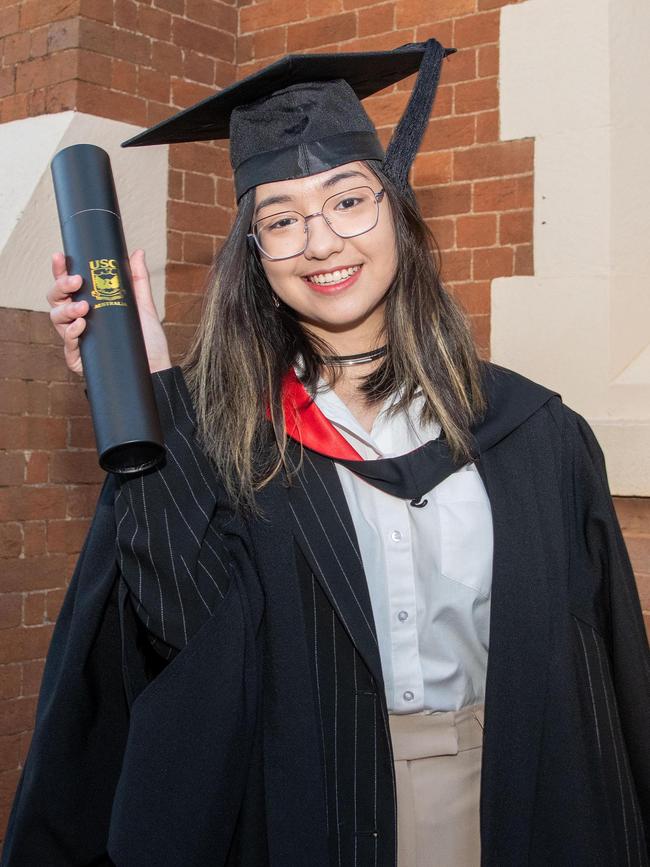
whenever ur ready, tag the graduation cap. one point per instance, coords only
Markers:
(302, 114)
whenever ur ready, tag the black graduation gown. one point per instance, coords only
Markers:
(264, 738)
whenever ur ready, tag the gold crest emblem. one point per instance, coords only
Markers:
(107, 288)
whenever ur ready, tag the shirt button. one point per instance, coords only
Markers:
(396, 536)
(403, 615)
(408, 695)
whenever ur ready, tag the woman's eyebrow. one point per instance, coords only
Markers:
(330, 182)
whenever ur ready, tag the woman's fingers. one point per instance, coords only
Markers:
(64, 283)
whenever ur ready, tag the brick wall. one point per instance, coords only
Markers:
(138, 62)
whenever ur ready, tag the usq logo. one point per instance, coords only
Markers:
(107, 288)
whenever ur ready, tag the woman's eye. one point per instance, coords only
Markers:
(346, 204)
(282, 224)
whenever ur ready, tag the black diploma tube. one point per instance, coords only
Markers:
(118, 381)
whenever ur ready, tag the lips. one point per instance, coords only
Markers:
(329, 288)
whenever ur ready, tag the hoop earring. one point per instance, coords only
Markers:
(276, 300)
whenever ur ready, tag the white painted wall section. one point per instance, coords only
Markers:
(575, 78)
(29, 226)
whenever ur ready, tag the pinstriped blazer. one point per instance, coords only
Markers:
(255, 728)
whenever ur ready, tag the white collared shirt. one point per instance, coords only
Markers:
(429, 570)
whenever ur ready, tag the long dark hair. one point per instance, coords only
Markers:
(244, 345)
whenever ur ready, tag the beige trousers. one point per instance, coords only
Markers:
(438, 772)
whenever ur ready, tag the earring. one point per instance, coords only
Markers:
(276, 300)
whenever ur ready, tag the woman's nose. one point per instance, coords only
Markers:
(321, 240)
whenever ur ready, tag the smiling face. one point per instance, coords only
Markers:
(337, 286)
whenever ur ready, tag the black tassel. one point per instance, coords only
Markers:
(407, 136)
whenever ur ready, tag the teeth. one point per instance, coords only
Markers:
(334, 276)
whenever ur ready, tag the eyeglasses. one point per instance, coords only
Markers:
(348, 214)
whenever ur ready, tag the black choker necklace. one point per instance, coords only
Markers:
(360, 358)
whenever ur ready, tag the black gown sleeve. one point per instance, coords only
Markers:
(171, 550)
(625, 661)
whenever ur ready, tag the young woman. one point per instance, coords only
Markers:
(274, 649)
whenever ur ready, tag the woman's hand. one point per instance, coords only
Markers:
(67, 315)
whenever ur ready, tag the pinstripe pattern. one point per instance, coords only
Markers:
(623, 805)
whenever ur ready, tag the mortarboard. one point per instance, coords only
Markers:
(302, 114)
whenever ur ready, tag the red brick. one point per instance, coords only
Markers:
(459, 67)
(66, 537)
(176, 7)
(37, 468)
(43, 71)
(182, 307)
(643, 586)
(638, 547)
(271, 42)
(198, 249)
(414, 12)
(386, 108)
(444, 232)
(16, 48)
(477, 29)
(481, 333)
(126, 15)
(487, 127)
(13, 396)
(11, 540)
(213, 13)
(32, 676)
(633, 514)
(81, 434)
(157, 112)
(185, 278)
(444, 200)
(8, 783)
(488, 60)
(174, 247)
(199, 188)
(9, 19)
(100, 10)
(380, 42)
(153, 84)
(198, 157)
(189, 217)
(75, 467)
(33, 609)
(270, 14)
(106, 103)
(225, 192)
(474, 297)
(36, 12)
(516, 227)
(12, 467)
(524, 265)
(63, 34)
(378, 19)
(432, 168)
(441, 30)
(198, 67)
(34, 573)
(20, 644)
(11, 679)
(156, 23)
(38, 42)
(11, 606)
(244, 49)
(179, 337)
(9, 752)
(207, 40)
(476, 230)
(81, 501)
(504, 194)
(479, 95)
(38, 398)
(494, 160)
(168, 58)
(316, 8)
(495, 4)
(185, 93)
(53, 602)
(492, 262)
(41, 329)
(322, 31)
(456, 265)
(61, 97)
(17, 714)
(27, 503)
(34, 538)
(93, 67)
(7, 84)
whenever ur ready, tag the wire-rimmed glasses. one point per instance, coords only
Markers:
(348, 214)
